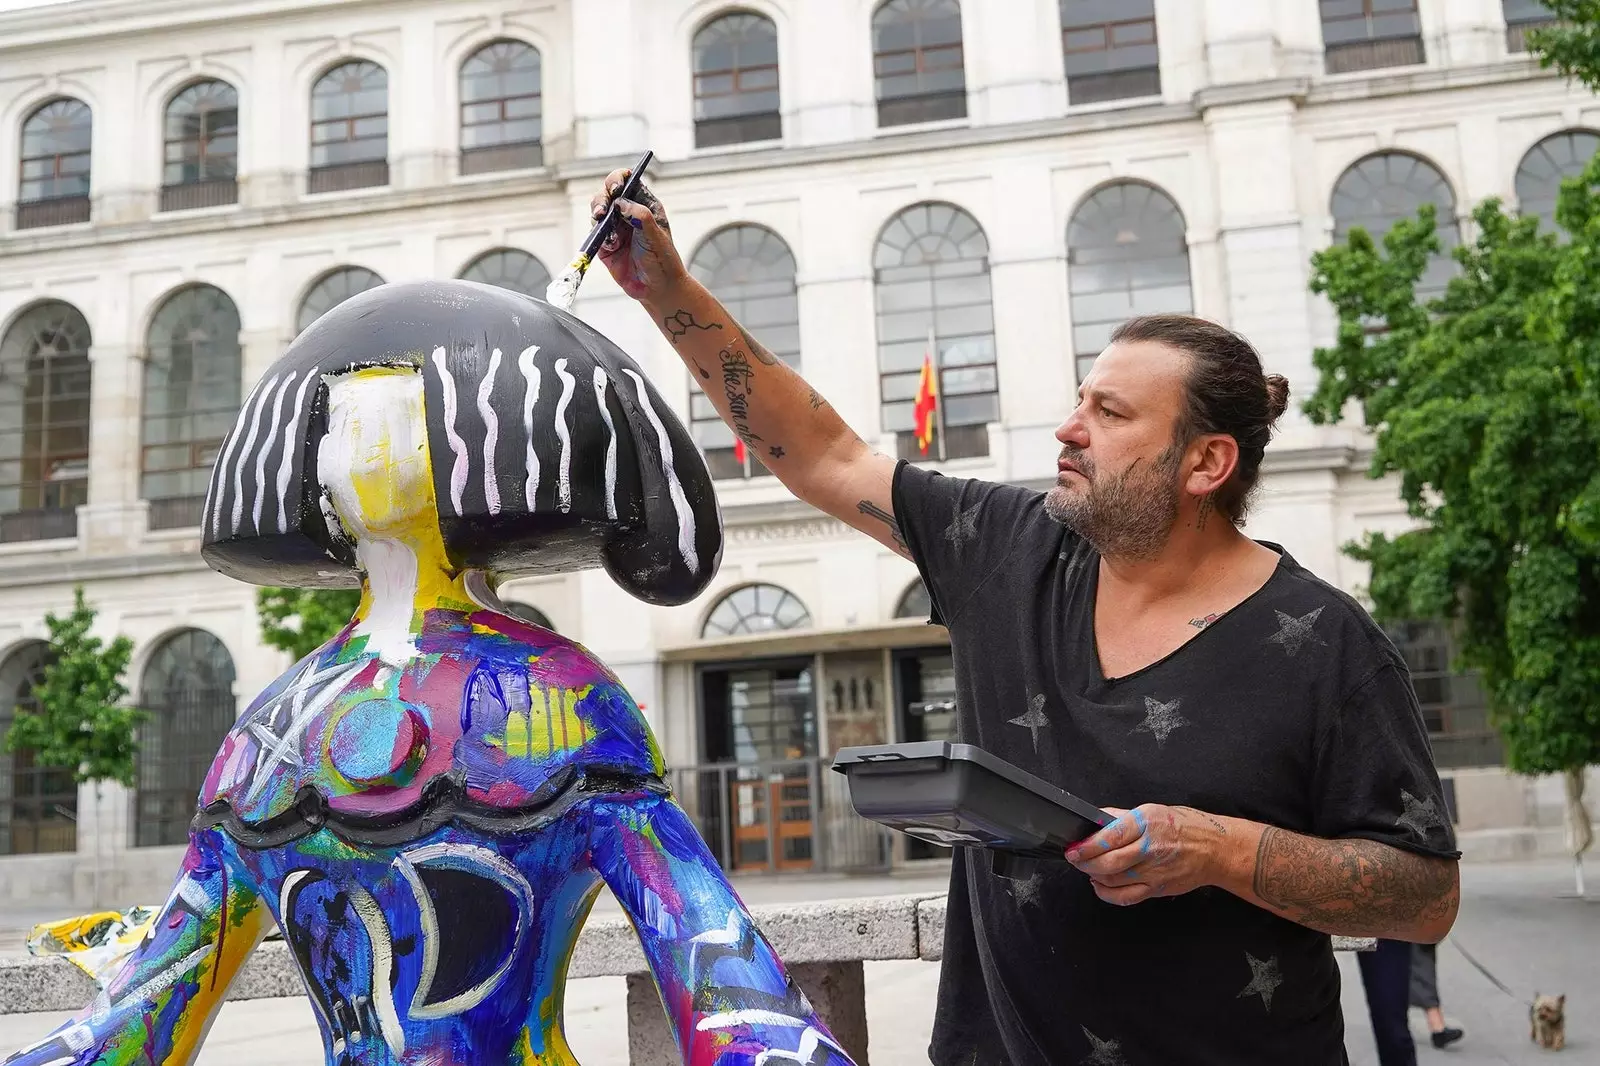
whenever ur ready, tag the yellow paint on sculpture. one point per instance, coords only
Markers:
(552, 724)
(214, 974)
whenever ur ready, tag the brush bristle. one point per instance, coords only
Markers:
(564, 290)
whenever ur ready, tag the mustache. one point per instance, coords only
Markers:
(1076, 457)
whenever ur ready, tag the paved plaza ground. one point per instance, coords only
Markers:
(1513, 920)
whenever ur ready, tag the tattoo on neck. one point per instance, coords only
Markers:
(872, 510)
(1207, 505)
(679, 323)
(1201, 623)
(1351, 887)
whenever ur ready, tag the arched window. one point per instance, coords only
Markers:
(44, 423)
(755, 609)
(736, 81)
(751, 271)
(502, 112)
(54, 187)
(331, 290)
(1110, 50)
(38, 805)
(1126, 255)
(914, 602)
(192, 380)
(201, 152)
(1522, 16)
(509, 268)
(1370, 34)
(350, 128)
(1547, 164)
(917, 61)
(1380, 190)
(529, 614)
(187, 691)
(931, 284)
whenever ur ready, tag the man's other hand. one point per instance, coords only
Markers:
(1152, 850)
(639, 252)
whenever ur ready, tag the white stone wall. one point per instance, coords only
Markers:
(1248, 139)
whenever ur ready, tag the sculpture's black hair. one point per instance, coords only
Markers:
(551, 450)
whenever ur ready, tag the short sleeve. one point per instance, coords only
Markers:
(959, 530)
(1374, 775)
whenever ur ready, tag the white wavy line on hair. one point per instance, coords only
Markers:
(564, 472)
(600, 382)
(458, 472)
(259, 399)
(680, 501)
(531, 373)
(266, 449)
(491, 430)
(286, 464)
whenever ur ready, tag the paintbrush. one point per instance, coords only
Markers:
(564, 290)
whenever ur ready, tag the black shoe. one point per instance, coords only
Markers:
(1446, 1037)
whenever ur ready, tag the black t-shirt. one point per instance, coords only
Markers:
(1293, 709)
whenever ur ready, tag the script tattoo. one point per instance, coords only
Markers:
(736, 375)
(765, 357)
(1201, 623)
(1351, 887)
(872, 510)
(679, 323)
(816, 401)
(1207, 505)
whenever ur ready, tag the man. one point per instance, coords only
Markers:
(1120, 637)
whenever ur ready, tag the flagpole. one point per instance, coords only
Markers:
(938, 391)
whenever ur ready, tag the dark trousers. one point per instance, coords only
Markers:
(1386, 976)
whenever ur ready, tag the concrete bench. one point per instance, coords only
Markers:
(824, 945)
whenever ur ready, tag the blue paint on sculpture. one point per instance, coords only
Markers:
(428, 805)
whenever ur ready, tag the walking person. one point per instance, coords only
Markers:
(1425, 994)
(1254, 732)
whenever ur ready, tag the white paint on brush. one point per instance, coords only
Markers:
(680, 501)
(458, 472)
(249, 443)
(600, 383)
(564, 471)
(291, 440)
(266, 447)
(491, 430)
(531, 373)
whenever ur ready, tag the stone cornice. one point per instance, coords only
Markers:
(88, 21)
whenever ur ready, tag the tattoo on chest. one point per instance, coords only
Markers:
(1201, 623)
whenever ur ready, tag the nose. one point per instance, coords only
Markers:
(1073, 431)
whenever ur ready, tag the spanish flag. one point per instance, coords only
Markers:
(927, 400)
(738, 449)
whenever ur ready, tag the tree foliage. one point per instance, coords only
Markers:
(299, 621)
(81, 723)
(1572, 46)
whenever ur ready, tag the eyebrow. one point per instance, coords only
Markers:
(1106, 396)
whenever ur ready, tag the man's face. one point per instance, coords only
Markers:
(1120, 466)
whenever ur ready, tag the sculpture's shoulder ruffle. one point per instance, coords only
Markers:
(490, 720)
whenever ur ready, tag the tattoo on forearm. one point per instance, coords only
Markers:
(679, 323)
(776, 451)
(872, 510)
(736, 375)
(765, 357)
(1351, 887)
(816, 401)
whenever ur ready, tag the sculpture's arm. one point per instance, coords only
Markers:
(157, 1008)
(726, 992)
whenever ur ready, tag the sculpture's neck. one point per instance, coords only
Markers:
(400, 583)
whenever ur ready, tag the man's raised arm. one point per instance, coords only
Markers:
(797, 434)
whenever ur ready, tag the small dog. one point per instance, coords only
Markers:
(1549, 1021)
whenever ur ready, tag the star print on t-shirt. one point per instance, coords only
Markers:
(1103, 1052)
(1419, 815)
(963, 527)
(1264, 979)
(1034, 720)
(1160, 719)
(1294, 633)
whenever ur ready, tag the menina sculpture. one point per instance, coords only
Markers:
(428, 805)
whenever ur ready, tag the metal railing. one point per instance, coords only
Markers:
(176, 512)
(1517, 33)
(789, 816)
(193, 195)
(63, 211)
(1374, 55)
(49, 523)
(342, 177)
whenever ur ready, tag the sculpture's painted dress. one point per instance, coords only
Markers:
(426, 807)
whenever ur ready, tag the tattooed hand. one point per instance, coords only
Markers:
(1152, 850)
(639, 253)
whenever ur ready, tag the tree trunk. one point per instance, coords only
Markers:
(1580, 830)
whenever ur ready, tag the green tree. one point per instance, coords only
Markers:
(1482, 403)
(300, 621)
(81, 723)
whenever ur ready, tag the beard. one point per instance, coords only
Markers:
(1126, 515)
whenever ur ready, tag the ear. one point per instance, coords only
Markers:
(1211, 458)
(1561, 1000)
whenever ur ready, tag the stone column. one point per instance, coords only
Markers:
(1013, 58)
(834, 100)
(837, 991)
(1463, 32)
(114, 518)
(609, 118)
(120, 192)
(417, 141)
(269, 178)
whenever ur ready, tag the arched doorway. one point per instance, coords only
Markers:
(187, 690)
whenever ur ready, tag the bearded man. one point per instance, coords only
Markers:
(1255, 732)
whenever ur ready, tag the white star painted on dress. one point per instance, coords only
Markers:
(1034, 720)
(1294, 633)
(1103, 1052)
(963, 527)
(1264, 980)
(1420, 815)
(1160, 719)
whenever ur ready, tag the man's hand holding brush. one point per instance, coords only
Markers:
(639, 254)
